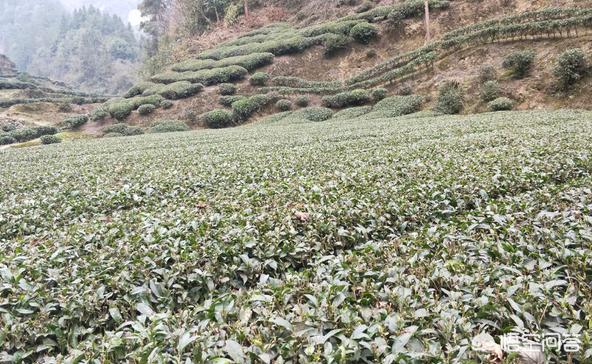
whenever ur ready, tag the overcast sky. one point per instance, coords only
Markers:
(126, 9)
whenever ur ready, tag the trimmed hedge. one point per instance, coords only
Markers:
(317, 114)
(334, 43)
(169, 126)
(519, 63)
(259, 79)
(99, 114)
(206, 77)
(50, 139)
(121, 109)
(283, 105)
(166, 104)
(146, 109)
(378, 93)
(348, 98)
(450, 98)
(249, 61)
(395, 106)
(570, 67)
(219, 118)
(246, 107)
(302, 101)
(229, 100)
(6, 139)
(364, 33)
(490, 91)
(501, 104)
(74, 122)
(175, 90)
(227, 89)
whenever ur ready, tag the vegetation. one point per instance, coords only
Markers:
(175, 90)
(520, 63)
(99, 114)
(50, 139)
(208, 255)
(571, 66)
(227, 89)
(395, 106)
(122, 129)
(74, 122)
(302, 101)
(501, 104)
(378, 94)
(259, 79)
(347, 99)
(250, 62)
(219, 118)
(317, 114)
(490, 91)
(88, 49)
(283, 105)
(122, 108)
(450, 98)
(207, 77)
(364, 32)
(244, 108)
(146, 109)
(169, 126)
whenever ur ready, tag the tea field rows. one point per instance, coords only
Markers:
(349, 240)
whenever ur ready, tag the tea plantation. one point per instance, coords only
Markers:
(350, 240)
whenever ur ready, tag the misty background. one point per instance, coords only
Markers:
(92, 45)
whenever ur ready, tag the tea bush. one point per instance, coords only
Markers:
(219, 118)
(169, 126)
(259, 79)
(520, 63)
(364, 32)
(50, 139)
(146, 109)
(490, 91)
(450, 98)
(501, 104)
(346, 99)
(570, 67)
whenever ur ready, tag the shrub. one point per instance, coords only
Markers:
(570, 67)
(378, 93)
(166, 104)
(405, 90)
(246, 107)
(317, 114)
(229, 100)
(7, 139)
(146, 109)
(64, 107)
(74, 121)
(138, 89)
(46, 130)
(348, 98)
(519, 63)
(169, 126)
(98, 114)
(366, 5)
(133, 130)
(334, 43)
(175, 90)
(395, 106)
(487, 73)
(284, 105)
(50, 139)
(115, 128)
(259, 79)
(219, 118)
(249, 61)
(227, 89)
(364, 32)
(501, 104)
(302, 101)
(450, 98)
(24, 134)
(489, 91)
(206, 77)
(121, 109)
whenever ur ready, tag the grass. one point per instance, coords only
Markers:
(229, 243)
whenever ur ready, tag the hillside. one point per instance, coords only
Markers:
(380, 48)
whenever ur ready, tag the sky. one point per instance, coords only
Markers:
(126, 9)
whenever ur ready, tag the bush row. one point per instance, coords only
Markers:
(249, 61)
(121, 109)
(207, 77)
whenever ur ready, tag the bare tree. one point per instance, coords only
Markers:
(246, 2)
(427, 20)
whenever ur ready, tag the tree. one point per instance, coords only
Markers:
(246, 5)
(154, 11)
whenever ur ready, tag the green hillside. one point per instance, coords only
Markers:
(348, 240)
